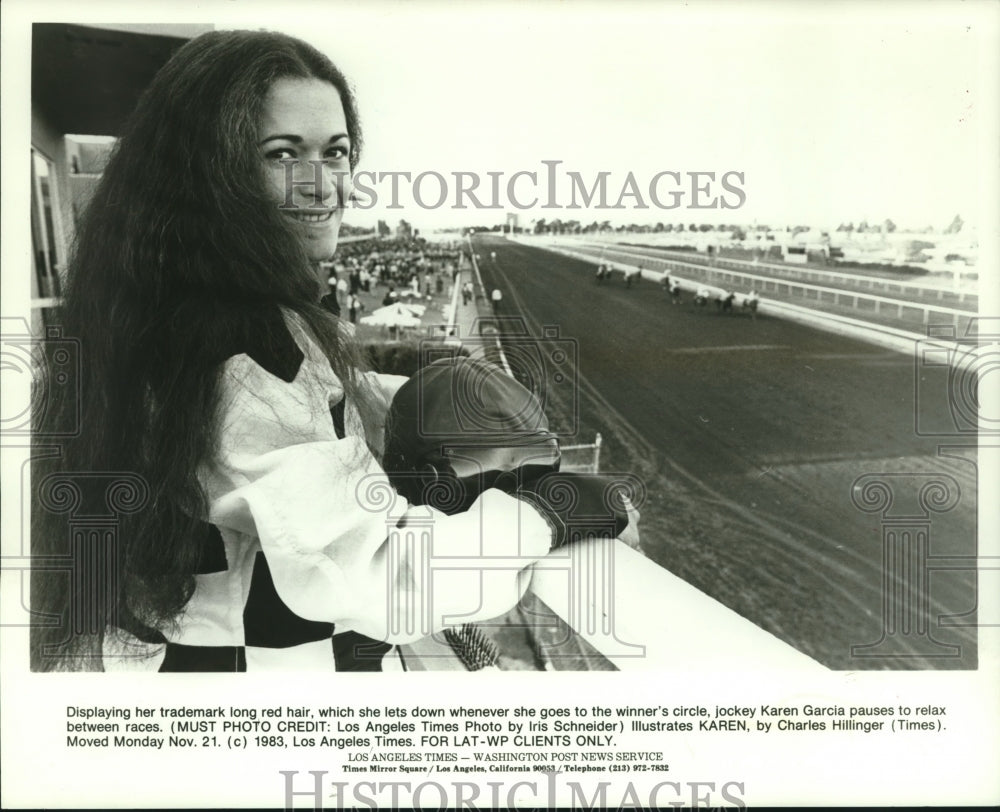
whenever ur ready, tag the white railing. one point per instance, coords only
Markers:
(482, 290)
(641, 616)
(635, 614)
(452, 326)
(809, 273)
(764, 284)
(957, 348)
(587, 462)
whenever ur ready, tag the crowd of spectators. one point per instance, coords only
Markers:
(405, 267)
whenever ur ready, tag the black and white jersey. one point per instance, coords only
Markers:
(312, 560)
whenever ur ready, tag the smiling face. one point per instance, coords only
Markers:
(304, 148)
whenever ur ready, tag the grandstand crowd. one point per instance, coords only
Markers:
(397, 264)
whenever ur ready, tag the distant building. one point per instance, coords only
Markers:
(404, 231)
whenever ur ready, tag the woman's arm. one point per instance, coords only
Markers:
(342, 546)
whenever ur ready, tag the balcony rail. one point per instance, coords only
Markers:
(634, 614)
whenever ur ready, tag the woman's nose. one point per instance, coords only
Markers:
(316, 183)
(344, 187)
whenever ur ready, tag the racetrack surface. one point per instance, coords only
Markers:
(749, 436)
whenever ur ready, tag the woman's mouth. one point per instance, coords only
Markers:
(312, 216)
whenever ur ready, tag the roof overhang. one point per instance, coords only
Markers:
(86, 80)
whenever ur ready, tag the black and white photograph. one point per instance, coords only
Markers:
(367, 364)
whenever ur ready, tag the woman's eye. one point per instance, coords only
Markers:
(336, 153)
(282, 154)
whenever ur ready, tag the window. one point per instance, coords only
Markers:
(46, 228)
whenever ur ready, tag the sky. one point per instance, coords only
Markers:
(816, 113)
(831, 112)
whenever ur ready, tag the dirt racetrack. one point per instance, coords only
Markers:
(750, 436)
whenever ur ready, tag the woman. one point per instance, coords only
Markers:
(213, 376)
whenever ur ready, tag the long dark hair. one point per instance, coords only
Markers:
(180, 255)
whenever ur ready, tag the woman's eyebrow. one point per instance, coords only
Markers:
(297, 139)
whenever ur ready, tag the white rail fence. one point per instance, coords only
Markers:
(803, 272)
(767, 284)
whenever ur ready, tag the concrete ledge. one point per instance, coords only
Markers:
(641, 616)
